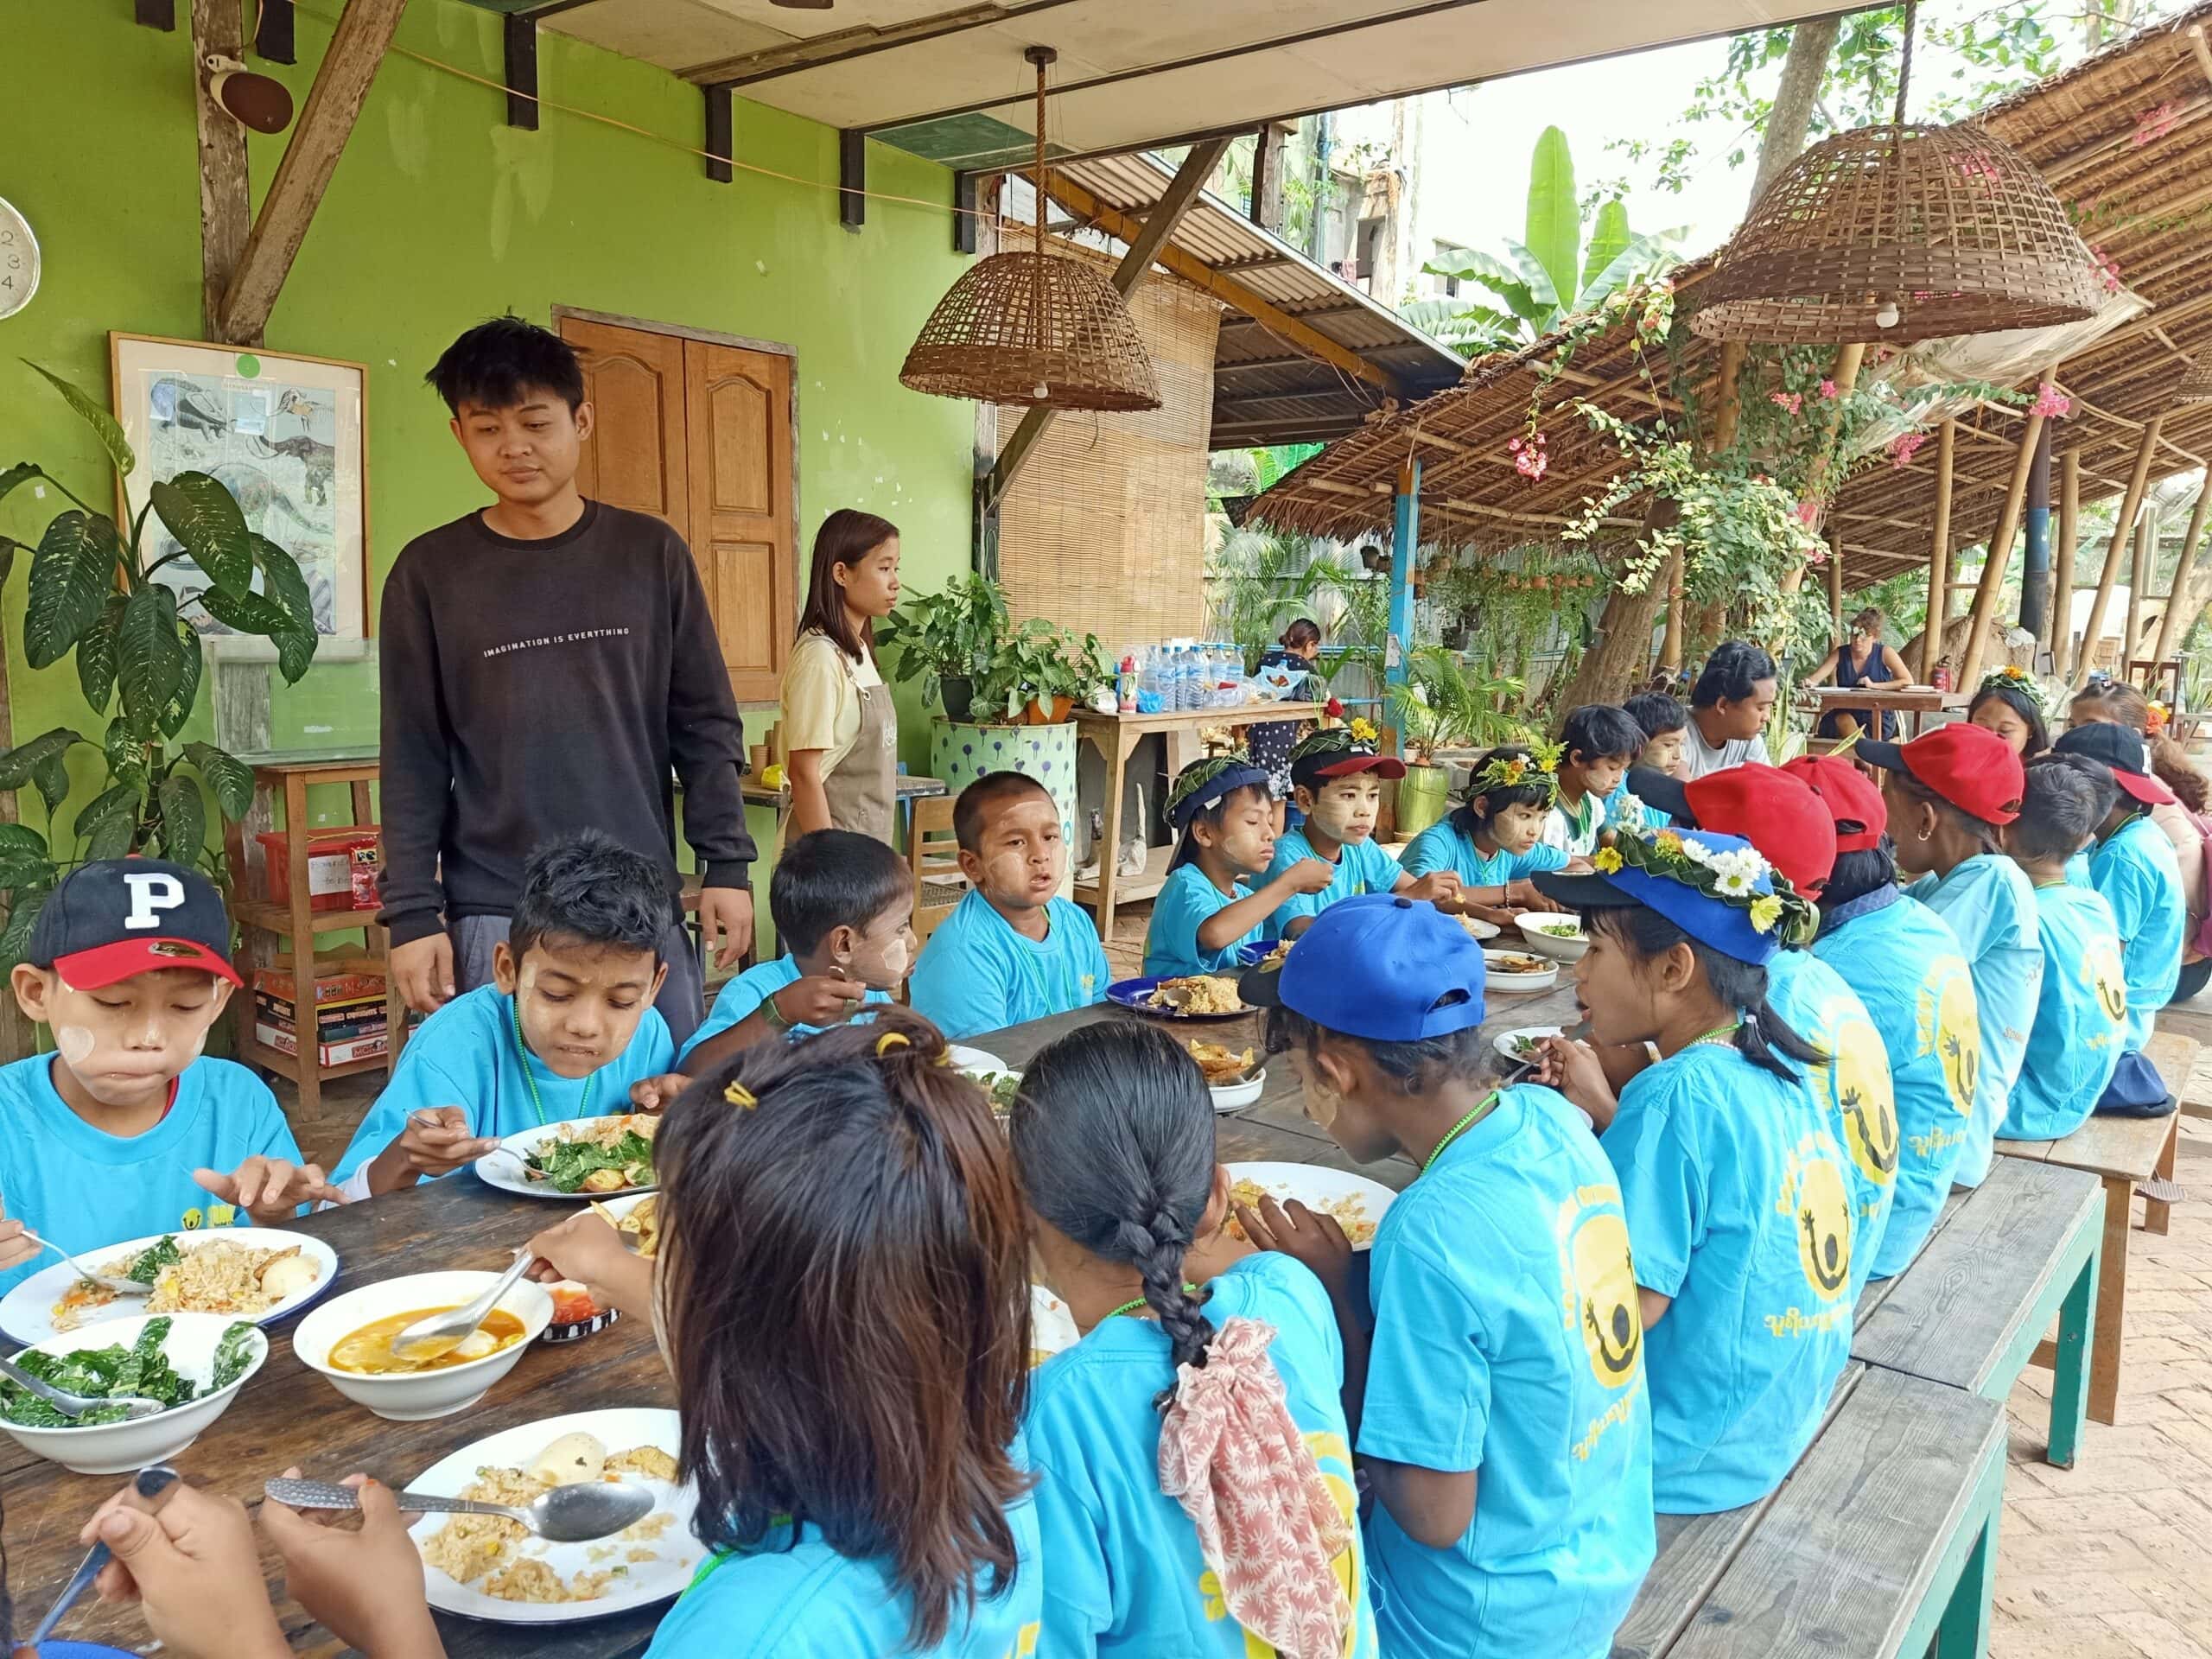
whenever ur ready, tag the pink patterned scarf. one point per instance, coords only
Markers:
(1268, 1527)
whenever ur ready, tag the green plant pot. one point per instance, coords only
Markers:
(958, 695)
(1424, 796)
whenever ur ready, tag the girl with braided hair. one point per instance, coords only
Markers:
(1194, 1469)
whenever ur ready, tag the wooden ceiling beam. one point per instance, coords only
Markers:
(325, 122)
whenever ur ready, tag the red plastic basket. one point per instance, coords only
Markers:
(336, 859)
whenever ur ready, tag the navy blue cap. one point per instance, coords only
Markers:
(116, 916)
(1380, 967)
(1211, 792)
(1711, 920)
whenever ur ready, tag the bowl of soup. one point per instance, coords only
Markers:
(349, 1338)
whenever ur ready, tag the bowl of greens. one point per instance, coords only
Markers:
(194, 1364)
(583, 1157)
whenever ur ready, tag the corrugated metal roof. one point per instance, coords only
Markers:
(1267, 388)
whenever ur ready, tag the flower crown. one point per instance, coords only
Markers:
(1538, 769)
(1199, 777)
(2011, 677)
(1732, 876)
(1357, 738)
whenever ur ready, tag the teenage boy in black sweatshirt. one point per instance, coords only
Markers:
(546, 661)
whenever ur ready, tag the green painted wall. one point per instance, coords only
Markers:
(439, 214)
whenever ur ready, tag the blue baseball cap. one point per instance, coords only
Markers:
(1380, 967)
(1713, 921)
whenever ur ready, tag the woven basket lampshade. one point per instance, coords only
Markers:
(2195, 385)
(1031, 327)
(1898, 233)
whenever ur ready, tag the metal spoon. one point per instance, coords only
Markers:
(440, 1333)
(567, 1514)
(115, 1282)
(76, 1405)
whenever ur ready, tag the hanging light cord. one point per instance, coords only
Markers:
(1904, 60)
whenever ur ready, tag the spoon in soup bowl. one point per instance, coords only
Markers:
(439, 1334)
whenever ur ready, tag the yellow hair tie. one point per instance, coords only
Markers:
(889, 1040)
(738, 1095)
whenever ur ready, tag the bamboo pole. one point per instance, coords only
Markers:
(2131, 504)
(1984, 613)
(2061, 560)
(1939, 554)
(2138, 579)
(2170, 634)
(1835, 582)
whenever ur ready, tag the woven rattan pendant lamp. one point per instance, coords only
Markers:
(1899, 233)
(1032, 328)
(2195, 385)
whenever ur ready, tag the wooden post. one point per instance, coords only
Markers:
(2170, 630)
(1939, 556)
(2000, 553)
(2131, 504)
(2138, 579)
(2061, 562)
(1670, 644)
(1835, 582)
(1405, 552)
(225, 201)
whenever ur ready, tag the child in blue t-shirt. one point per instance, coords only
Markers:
(1224, 811)
(1493, 843)
(565, 1030)
(1336, 775)
(1738, 1203)
(1113, 1135)
(126, 1131)
(1598, 744)
(894, 1438)
(1903, 963)
(1947, 792)
(2080, 1020)
(1013, 949)
(1501, 1406)
(844, 905)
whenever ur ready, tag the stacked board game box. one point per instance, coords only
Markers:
(350, 1021)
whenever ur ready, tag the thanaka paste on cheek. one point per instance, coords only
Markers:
(895, 956)
(75, 1043)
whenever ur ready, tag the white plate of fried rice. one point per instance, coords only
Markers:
(219, 1271)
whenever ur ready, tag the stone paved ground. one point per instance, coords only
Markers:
(2111, 1560)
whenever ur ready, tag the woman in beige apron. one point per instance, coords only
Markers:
(841, 733)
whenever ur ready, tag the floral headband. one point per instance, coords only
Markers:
(1205, 783)
(1356, 737)
(1538, 769)
(1732, 876)
(2015, 679)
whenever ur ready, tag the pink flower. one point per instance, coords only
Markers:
(1816, 555)
(1792, 401)
(1972, 168)
(1530, 463)
(2154, 123)
(1809, 512)
(1904, 447)
(2050, 403)
(1828, 390)
(2107, 270)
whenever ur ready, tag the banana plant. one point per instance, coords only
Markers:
(1551, 274)
(93, 593)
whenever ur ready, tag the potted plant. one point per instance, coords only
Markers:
(92, 592)
(1037, 673)
(1439, 705)
(950, 639)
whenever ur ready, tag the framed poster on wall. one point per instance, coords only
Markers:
(286, 435)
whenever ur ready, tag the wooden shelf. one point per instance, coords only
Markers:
(254, 1052)
(276, 919)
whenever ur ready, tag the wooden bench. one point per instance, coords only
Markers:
(2018, 1251)
(1881, 1544)
(2122, 1152)
(2192, 1020)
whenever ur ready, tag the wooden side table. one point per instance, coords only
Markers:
(261, 924)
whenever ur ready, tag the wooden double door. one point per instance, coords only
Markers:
(698, 433)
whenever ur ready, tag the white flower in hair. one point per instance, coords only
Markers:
(1733, 883)
(1698, 852)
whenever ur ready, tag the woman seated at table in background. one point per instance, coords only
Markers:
(1863, 660)
(2008, 704)
(839, 730)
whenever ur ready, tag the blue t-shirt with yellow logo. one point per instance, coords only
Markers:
(1991, 909)
(1442, 846)
(801, 1600)
(1122, 1569)
(1508, 1342)
(1362, 868)
(1740, 1213)
(1903, 962)
(977, 974)
(2081, 1022)
(84, 1189)
(1853, 1088)
(467, 1055)
(2135, 869)
(742, 999)
(1187, 901)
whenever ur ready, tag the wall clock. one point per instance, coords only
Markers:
(18, 260)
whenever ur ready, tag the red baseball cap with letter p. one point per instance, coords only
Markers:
(118, 917)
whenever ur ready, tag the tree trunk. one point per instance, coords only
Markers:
(1616, 661)
(1787, 122)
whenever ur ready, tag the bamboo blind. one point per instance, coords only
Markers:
(1103, 531)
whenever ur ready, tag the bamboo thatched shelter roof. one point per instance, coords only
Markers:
(2124, 138)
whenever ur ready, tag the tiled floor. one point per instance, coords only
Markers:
(2111, 1560)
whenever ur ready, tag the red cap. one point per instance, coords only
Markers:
(1850, 796)
(1776, 813)
(111, 964)
(1968, 766)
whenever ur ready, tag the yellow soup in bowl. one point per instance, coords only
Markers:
(367, 1351)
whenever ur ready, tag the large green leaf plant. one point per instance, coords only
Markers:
(93, 592)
